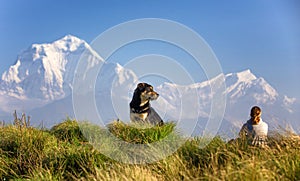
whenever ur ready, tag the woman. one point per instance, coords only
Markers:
(255, 130)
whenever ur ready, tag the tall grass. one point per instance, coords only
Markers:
(63, 153)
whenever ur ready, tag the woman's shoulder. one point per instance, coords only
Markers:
(263, 123)
(249, 123)
(246, 124)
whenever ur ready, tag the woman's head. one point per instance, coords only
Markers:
(255, 114)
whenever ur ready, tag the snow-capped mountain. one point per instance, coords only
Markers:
(41, 83)
(45, 71)
(243, 90)
(243, 83)
(248, 90)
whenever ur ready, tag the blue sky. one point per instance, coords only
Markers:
(263, 35)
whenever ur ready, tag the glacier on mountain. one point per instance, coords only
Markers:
(44, 71)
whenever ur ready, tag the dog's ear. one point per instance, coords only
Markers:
(141, 86)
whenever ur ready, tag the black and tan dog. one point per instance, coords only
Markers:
(140, 109)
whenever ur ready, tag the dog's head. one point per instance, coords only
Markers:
(146, 92)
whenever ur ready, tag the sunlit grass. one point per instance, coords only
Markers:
(64, 153)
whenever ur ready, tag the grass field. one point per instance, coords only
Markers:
(63, 153)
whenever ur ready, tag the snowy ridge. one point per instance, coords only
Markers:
(243, 90)
(246, 83)
(234, 80)
(44, 74)
(41, 83)
(45, 71)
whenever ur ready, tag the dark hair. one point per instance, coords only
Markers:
(255, 114)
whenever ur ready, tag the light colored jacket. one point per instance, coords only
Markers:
(255, 134)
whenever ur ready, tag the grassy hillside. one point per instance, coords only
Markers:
(63, 153)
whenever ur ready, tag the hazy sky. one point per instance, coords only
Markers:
(261, 35)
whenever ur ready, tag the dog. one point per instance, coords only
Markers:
(140, 109)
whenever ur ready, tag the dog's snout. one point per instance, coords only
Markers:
(155, 93)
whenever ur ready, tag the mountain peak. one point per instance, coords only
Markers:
(71, 39)
(69, 43)
(45, 70)
(245, 76)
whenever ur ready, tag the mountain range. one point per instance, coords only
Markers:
(40, 83)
